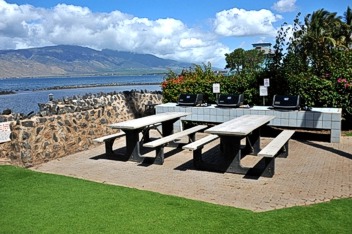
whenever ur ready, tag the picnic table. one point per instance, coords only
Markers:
(134, 127)
(232, 132)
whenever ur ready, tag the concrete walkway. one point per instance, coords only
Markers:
(313, 172)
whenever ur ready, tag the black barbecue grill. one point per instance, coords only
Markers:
(286, 102)
(190, 99)
(230, 100)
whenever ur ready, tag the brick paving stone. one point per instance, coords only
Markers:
(313, 172)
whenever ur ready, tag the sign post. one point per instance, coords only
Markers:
(216, 90)
(263, 92)
(264, 89)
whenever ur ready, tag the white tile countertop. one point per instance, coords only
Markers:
(315, 118)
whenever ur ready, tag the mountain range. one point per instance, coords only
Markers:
(67, 60)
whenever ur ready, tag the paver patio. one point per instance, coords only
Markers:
(314, 172)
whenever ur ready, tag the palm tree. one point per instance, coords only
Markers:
(348, 27)
(321, 35)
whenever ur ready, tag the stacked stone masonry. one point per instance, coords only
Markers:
(63, 128)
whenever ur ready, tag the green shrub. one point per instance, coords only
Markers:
(333, 89)
(317, 63)
(193, 81)
(200, 80)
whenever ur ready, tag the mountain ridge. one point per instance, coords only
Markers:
(69, 60)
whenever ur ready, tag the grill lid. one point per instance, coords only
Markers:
(286, 102)
(190, 99)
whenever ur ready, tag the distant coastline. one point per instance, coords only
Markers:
(7, 92)
(94, 85)
(81, 87)
(135, 73)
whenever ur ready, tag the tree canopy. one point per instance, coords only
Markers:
(242, 61)
(315, 62)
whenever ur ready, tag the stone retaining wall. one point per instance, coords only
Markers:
(63, 128)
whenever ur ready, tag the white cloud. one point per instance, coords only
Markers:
(24, 26)
(285, 5)
(239, 22)
(191, 42)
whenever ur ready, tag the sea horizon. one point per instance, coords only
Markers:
(29, 92)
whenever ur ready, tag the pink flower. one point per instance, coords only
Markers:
(341, 80)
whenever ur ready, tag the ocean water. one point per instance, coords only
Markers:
(29, 91)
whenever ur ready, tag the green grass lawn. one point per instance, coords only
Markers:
(32, 202)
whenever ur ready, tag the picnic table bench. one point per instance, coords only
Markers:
(278, 147)
(197, 147)
(231, 133)
(160, 143)
(133, 128)
(109, 142)
(110, 139)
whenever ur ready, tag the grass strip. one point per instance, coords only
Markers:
(33, 202)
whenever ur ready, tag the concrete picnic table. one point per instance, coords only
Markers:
(134, 127)
(231, 132)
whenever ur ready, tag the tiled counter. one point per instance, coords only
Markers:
(317, 118)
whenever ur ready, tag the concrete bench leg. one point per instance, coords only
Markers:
(133, 145)
(269, 169)
(283, 153)
(197, 157)
(108, 146)
(159, 159)
(192, 138)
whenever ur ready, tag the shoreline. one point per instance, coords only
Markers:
(79, 87)
(7, 92)
(95, 85)
(85, 75)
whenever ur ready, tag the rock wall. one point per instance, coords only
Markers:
(63, 128)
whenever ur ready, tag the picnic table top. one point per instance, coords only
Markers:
(148, 120)
(240, 126)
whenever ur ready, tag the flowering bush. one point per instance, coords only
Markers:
(195, 80)
(200, 80)
(327, 91)
(344, 83)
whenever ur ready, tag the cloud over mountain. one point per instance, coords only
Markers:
(26, 26)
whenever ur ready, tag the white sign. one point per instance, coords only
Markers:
(263, 91)
(216, 88)
(5, 132)
(266, 82)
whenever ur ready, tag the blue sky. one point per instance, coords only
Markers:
(196, 31)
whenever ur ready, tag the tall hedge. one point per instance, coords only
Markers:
(200, 79)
